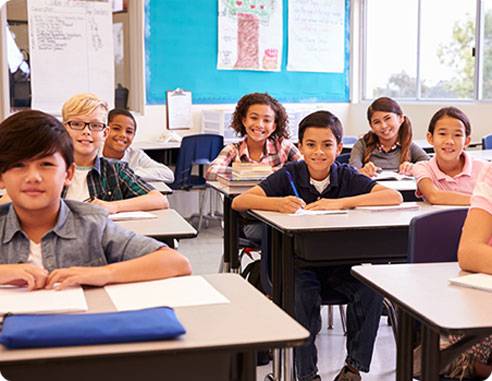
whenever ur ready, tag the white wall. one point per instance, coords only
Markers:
(152, 123)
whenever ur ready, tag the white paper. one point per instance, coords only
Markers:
(179, 111)
(125, 216)
(304, 212)
(71, 51)
(391, 175)
(250, 35)
(20, 300)
(478, 281)
(316, 36)
(173, 292)
(389, 208)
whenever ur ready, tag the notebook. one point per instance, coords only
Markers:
(478, 281)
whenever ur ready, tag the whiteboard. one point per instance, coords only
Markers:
(71, 49)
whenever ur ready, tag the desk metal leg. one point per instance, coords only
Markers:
(234, 238)
(227, 241)
(288, 277)
(276, 252)
(288, 371)
(404, 352)
(430, 354)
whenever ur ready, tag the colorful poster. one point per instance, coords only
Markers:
(250, 35)
(316, 36)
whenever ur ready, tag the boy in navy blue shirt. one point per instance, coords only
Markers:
(321, 183)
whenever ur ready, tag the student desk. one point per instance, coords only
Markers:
(213, 349)
(161, 186)
(231, 224)
(159, 151)
(485, 154)
(355, 237)
(422, 293)
(169, 224)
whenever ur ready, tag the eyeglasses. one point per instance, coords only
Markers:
(79, 125)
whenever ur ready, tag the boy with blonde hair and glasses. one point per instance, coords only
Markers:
(107, 183)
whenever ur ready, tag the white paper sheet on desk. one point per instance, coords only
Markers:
(304, 212)
(127, 216)
(478, 281)
(19, 300)
(173, 292)
(389, 208)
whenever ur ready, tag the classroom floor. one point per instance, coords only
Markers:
(205, 253)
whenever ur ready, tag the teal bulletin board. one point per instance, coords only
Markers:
(181, 52)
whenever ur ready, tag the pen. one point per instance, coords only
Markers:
(292, 185)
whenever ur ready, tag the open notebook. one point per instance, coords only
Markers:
(478, 281)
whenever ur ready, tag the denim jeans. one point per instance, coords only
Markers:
(363, 315)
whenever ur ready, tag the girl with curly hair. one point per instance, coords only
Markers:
(262, 122)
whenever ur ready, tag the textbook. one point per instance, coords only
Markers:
(478, 281)
(228, 180)
(250, 171)
(391, 175)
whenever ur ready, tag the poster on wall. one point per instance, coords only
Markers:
(250, 35)
(316, 36)
(71, 51)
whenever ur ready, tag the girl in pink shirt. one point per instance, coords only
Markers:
(450, 176)
(475, 255)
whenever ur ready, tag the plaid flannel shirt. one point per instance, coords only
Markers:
(112, 180)
(276, 153)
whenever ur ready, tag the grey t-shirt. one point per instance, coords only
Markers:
(83, 236)
(385, 160)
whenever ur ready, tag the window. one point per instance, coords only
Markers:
(427, 49)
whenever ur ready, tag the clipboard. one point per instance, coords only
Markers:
(178, 109)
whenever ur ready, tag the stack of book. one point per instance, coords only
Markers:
(245, 174)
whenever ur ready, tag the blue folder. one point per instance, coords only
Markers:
(55, 330)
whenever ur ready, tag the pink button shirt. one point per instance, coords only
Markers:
(482, 195)
(463, 182)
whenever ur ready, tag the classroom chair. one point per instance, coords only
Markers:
(349, 139)
(196, 150)
(487, 142)
(343, 158)
(435, 237)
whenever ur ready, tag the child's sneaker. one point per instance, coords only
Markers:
(347, 375)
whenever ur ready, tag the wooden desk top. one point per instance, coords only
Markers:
(249, 321)
(161, 186)
(353, 219)
(168, 224)
(423, 289)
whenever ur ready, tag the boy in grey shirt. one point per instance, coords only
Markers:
(47, 242)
